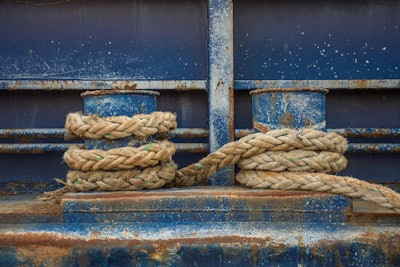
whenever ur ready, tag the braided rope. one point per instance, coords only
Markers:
(295, 161)
(254, 144)
(117, 127)
(128, 180)
(321, 182)
(119, 158)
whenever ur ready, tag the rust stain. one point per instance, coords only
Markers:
(43, 239)
(231, 116)
(283, 89)
(361, 218)
(362, 83)
(219, 84)
(273, 100)
(286, 119)
(130, 87)
(260, 127)
(308, 122)
(44, 255)
(244, 132)
(199, 191)
(180, 87)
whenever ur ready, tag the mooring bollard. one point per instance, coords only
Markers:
(296, 108)
(106, 103)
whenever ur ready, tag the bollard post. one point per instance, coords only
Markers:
(296, 108)
(106, 103)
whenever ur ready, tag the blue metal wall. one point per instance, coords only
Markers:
(203, 57)
(73, 46)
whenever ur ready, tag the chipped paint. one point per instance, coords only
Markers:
(288, 108)
(220, 81)
(179, 85)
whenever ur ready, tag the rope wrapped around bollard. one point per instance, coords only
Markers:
(148, 166)
(283, 159)
(256, 144)
(117, 127)
(271, 156)
(123, 158)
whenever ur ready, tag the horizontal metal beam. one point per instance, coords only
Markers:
(53, 147)
(367, 132)
(187, 148)
(104, 85)
(373, 148)
(328, 84)
(194, 84)
(193, 133)
(43, 133)
(38, 133)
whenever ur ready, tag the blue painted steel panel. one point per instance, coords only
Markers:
(163, 44)
(317, 40)
(103, 40)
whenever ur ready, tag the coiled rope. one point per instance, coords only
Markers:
(123, 158)
(256, 144)
(283, 159)
(117, 127)
(148, 166)
(287, 159)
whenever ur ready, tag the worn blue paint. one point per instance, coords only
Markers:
(53, 147)
(288, 108)
(117, 103)
(220, 81)
(191, 244)
(86, 40)
(336, 84)
(82, 45)
(194, 205)
(317, 40)
(101, 84)
(192, 85)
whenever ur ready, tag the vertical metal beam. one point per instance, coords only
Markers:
(220, 81)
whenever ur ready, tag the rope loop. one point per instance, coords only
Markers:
(123, 158)
(256, 144)
(126, 180)
(321, 182)
(117, 127)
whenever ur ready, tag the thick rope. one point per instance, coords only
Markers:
(254, 144)
(295, 161)
(116, 127)
(283, 159)
(321, 182)
(128, 180)
(124, 158)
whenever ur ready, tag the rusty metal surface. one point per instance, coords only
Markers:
(27, 209)
(288, 108)
(337, 84)
(220, 82)
(283, 238)
(199, 244)
(36, 133)
(367, 132)
(202, 204)
(179, 85)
